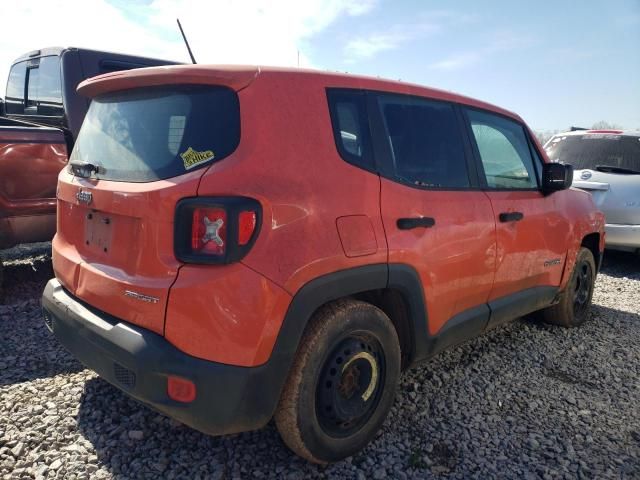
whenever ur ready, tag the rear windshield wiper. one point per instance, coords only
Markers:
(614, 169)
(83, 169)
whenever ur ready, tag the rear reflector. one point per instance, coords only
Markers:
(181, 389)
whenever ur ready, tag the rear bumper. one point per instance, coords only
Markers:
(229, 399)
(622, 235)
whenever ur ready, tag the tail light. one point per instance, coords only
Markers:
(215, 230)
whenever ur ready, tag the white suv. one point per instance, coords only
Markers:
(607, 164)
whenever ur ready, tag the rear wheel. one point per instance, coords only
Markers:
(573, 307)
(342, 382)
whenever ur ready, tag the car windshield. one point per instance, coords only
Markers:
(157, 132)
(596, 149)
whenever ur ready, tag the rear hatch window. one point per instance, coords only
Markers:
(154, 133)
(596, 150)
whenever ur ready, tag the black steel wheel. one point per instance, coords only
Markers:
(573, 306)
(342, 382)
(348, 389)
(583, 289)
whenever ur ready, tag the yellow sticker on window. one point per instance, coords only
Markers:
(192, 158)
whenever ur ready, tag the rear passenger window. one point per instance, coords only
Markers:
(426, 143)
(504, 151)
(350, 126)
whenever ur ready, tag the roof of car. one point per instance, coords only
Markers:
(57, 51)
(577, 133)
(240, 76)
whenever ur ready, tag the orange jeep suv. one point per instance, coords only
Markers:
(236, 244)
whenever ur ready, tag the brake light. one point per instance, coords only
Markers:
(215, 230)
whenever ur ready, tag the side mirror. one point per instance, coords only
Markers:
(555, 177)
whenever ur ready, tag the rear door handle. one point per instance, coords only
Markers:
(417, 222)
(511, 216)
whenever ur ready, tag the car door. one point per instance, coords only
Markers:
(435, 218)
(531, 232)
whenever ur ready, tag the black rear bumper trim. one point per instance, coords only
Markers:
(229, 398)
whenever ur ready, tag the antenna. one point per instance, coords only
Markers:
(186, 42)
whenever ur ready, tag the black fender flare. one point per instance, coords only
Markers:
(330, 287)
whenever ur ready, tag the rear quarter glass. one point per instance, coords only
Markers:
(155, 133)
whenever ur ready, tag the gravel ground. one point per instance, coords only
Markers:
(523, 401)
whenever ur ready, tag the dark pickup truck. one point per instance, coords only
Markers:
(39, 121)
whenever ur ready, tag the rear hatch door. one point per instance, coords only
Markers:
(138, 153)
(607, 164)
(616, 194)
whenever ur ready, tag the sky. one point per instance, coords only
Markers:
(556, 63)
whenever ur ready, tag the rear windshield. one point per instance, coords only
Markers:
(592, 150)
(155, 133)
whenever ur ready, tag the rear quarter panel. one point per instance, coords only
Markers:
(287, 159)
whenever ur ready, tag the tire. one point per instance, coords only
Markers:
(342, 383)
(573, 308)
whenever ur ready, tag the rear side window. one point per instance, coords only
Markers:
(504, 151)
(14, 100)
(155, 133)
(44, 87)
(426, 142)
(110, 66)
(350, 126)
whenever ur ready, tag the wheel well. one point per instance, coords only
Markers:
(592, 242)
(394, 288)
(393, 304)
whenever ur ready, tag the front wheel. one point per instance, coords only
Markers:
(573, 307)
(342, 383)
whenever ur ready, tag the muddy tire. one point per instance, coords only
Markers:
(342, 383)
(573, 308)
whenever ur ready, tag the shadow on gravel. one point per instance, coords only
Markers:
(26, 270)
(621, 264)
(614, 318)
(28, 350)
(132, 440)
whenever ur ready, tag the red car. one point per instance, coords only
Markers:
(241, 243)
